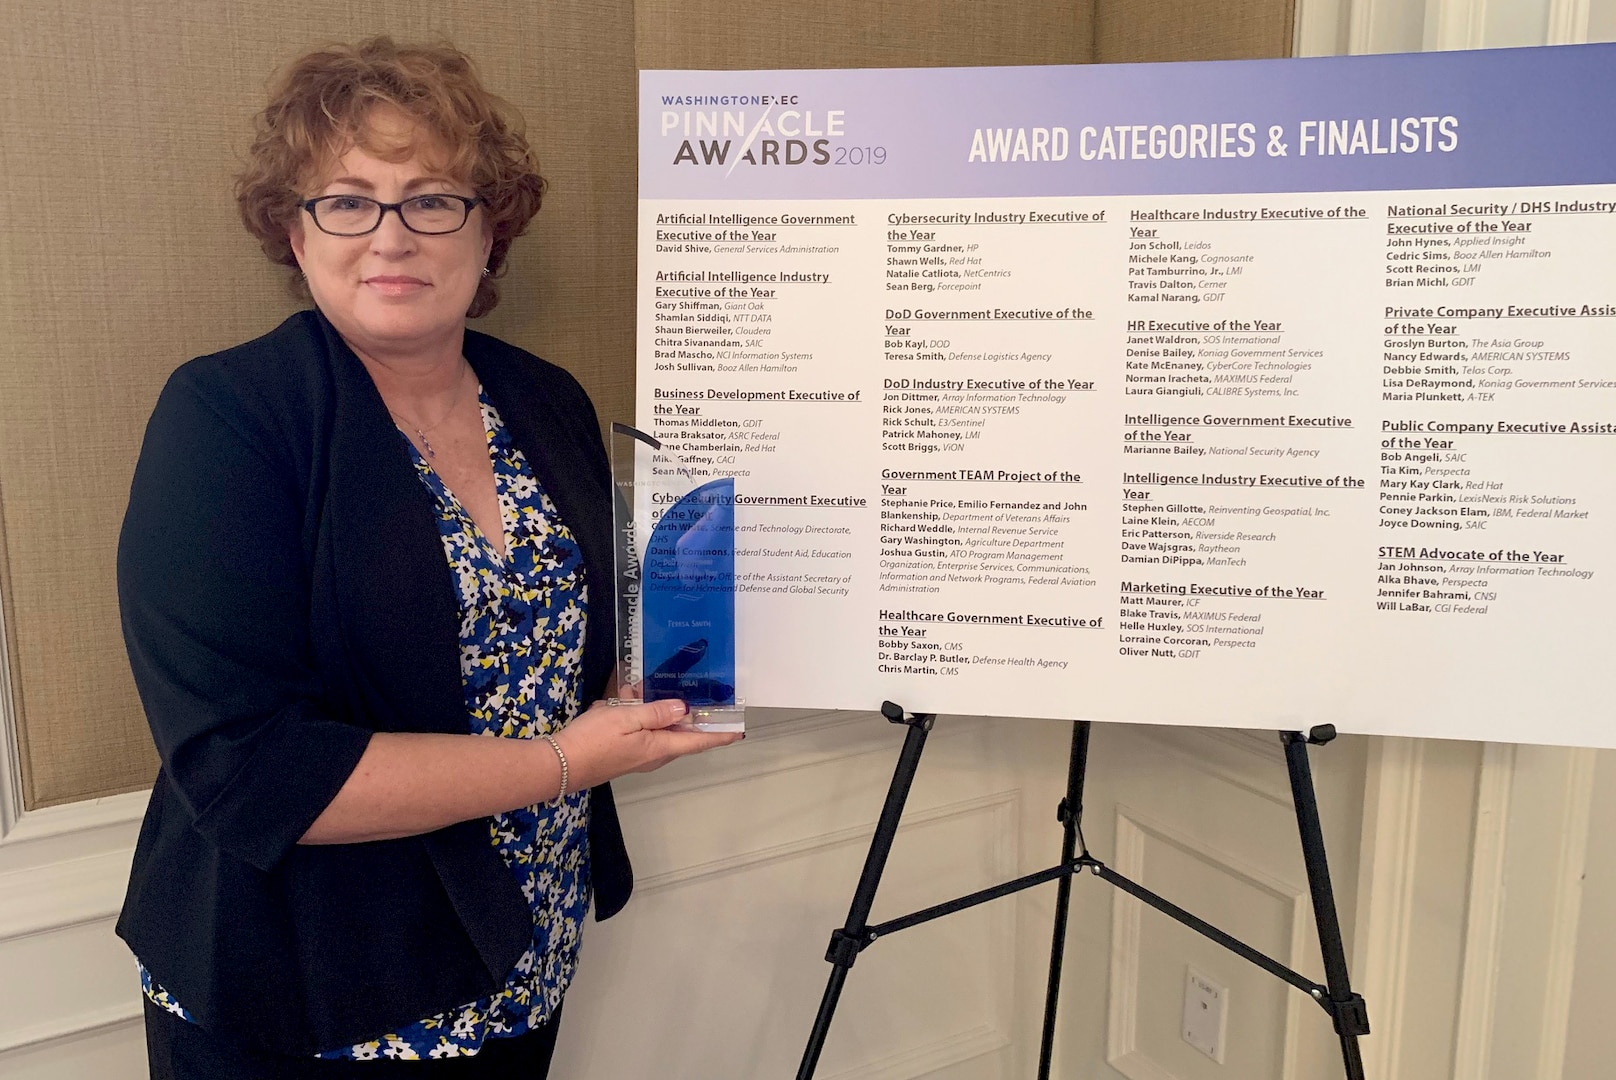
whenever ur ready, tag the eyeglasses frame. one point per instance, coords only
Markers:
(471, 203)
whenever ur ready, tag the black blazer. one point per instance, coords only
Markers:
(284, 594)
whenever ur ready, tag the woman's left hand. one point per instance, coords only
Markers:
(609, 741)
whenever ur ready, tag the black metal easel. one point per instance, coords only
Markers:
(1346, 1008)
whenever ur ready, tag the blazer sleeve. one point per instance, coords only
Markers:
(214, 594)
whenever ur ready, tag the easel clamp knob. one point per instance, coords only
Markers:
(845, 947)
(1351, 1016)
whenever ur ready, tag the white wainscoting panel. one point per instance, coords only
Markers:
(69, 996)
(1386, 884)
(112, 1051)
(1419, 835)
(1541, 881)
(1204, 818)
(1148, 966)
(1591, 1037)
(1484, 924)
(747, 859)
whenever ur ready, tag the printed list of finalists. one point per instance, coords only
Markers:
(1019, 433)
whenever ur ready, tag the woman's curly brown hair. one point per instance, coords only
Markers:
(318, 109)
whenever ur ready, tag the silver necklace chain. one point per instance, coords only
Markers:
(421, 432)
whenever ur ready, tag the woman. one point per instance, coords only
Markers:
(366, 587)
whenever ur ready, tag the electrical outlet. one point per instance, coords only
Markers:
(1206, 1014)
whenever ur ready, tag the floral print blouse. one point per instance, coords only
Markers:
(522, 625)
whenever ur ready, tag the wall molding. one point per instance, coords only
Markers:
(1568, 22)
(63, 870)
(1484, 915)
(1321, 27)
(787, 744)
(773, 723)
(1455, 24)
(88, 815)
(1525, 906)
(1133, 831)
(60, 866)
(1571, 856)
(62, 895)
(10, 755)
(1360, 26)
(1002, 808)
(43, 841)
(78, 1026)
(931, 1057)
(1387, 868)
(1250, 760)
(1001, 804)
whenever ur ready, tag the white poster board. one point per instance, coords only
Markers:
(1258, 394)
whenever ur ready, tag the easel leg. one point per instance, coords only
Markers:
(846, 943)
(1346, 1009)
(1070, 815)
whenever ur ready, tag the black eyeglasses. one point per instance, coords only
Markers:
(358, 215)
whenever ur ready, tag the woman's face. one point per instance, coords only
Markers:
(393, 292)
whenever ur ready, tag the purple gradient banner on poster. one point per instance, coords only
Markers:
(1500, 118)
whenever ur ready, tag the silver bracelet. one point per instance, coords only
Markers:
(562, 794)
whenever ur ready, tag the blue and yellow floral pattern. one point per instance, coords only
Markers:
(522, 624)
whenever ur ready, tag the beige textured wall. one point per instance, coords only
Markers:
(862, 33)
(121, 257)
(120, 254)
(901, 33)
(1138, 31)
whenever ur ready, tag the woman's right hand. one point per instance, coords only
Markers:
(608, 741)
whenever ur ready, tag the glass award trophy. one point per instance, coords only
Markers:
(675, 565)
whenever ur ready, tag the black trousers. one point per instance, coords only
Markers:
(179, 1050)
